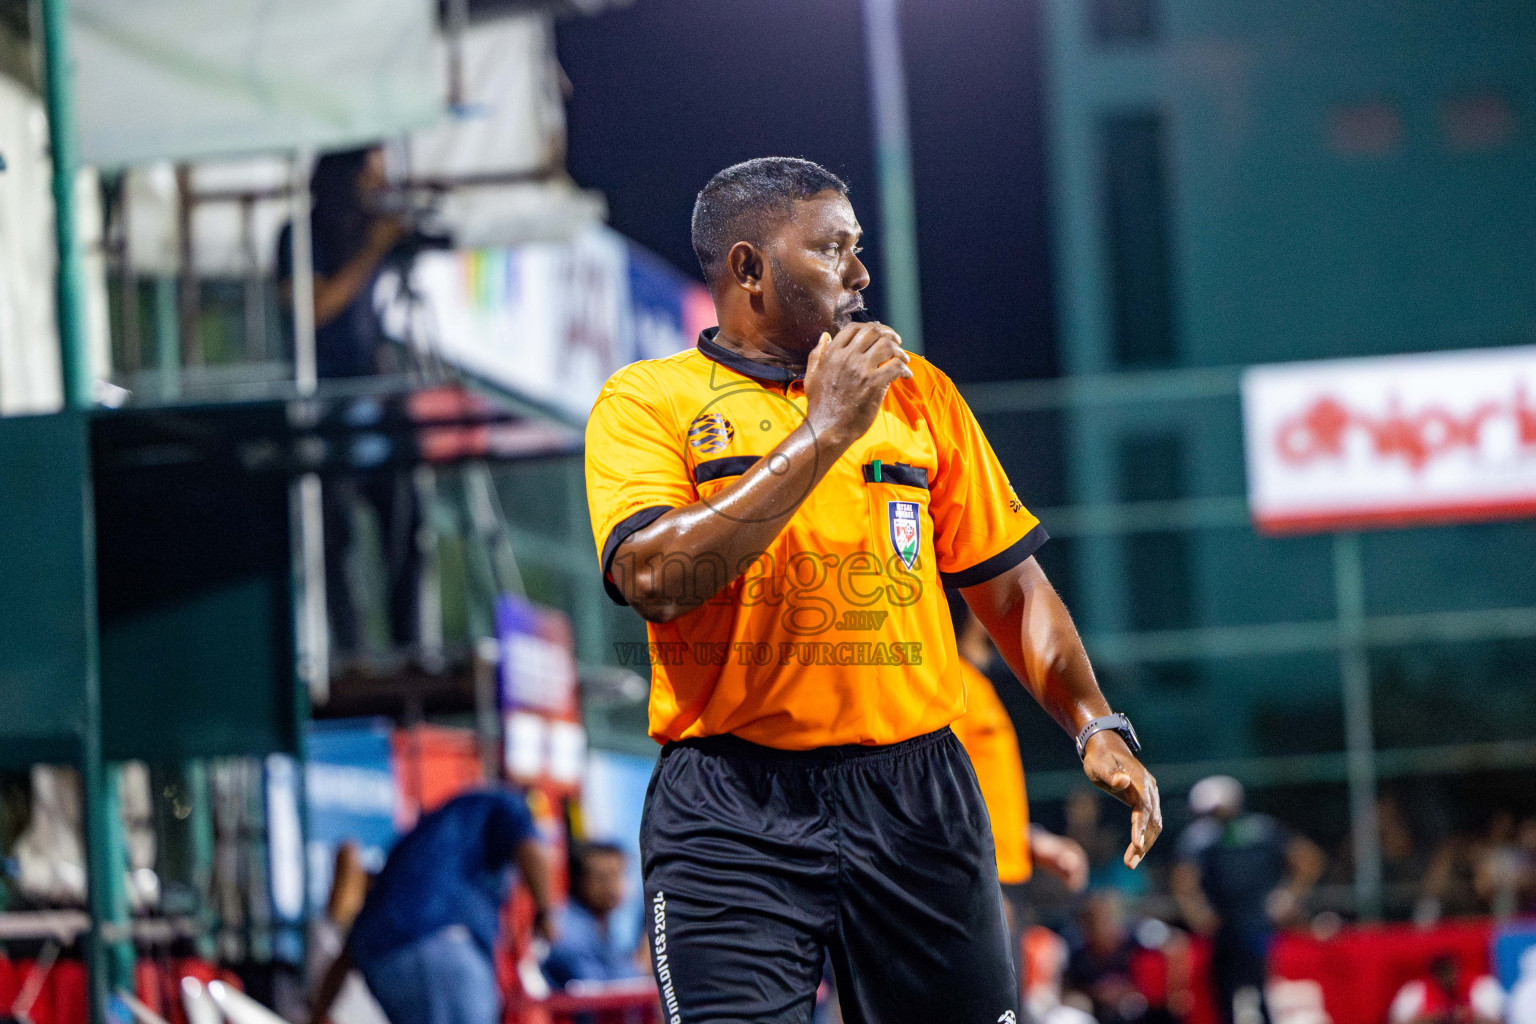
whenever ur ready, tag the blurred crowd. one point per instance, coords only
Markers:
(1189, 940)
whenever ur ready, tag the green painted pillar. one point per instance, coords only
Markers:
(893, 164)
(119, 955)
(74, 354)
(1359, 734)
(75, 378)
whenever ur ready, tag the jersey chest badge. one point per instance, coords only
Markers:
(905, 525)
(710, 433)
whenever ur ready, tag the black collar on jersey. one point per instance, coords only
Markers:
(741, 364)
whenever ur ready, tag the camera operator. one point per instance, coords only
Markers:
(353, 234)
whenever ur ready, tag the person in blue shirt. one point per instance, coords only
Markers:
(584, 949)
(1239, 877)
(425, 938)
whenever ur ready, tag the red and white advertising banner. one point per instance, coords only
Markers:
(1394, 441)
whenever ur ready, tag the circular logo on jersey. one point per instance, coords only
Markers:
(710, 433)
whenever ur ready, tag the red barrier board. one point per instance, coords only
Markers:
(1360, 969)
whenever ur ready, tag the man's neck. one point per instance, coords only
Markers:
(760, 348)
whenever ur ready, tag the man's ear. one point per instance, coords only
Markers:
(746, 267)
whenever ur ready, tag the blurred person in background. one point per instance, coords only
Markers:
(987, 733)
(1106, 869)
(426, 935)
(352, 234)
(1505, 873)
(1409, 880)
(353, 1003)
(1448, 994)
(1042, 972)
(1238, 877)
(584, 949)
(1100, 968)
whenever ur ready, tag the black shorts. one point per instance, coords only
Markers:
(757, 862)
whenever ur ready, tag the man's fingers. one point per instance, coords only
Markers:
(884, 350)
(843, 336)
(889, 371)
(1146, 821)
(877, 334)
(857, 337)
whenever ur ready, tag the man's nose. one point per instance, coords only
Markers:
(857, 277)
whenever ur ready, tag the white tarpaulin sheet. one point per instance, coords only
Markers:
(511, 117)
(29, 336)
(182, 79)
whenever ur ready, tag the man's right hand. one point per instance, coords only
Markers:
(846, 378)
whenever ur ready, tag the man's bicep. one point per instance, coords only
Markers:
(636, 472)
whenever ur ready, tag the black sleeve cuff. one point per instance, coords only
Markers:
(999, 563)
(618, 535)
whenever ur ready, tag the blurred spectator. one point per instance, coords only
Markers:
(1522, 998)
(427, 932)
(1450, 882)
(1100, 968)
(989, 738)
(1103, 845)
(1238, 876)
(353, 1004)
(1448, 994)
(584, 949)
(352, 235)
(1043, 963)
(1505, 872)
(1404, 863)
(1412, 884)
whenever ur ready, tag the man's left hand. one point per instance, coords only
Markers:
(1110, 765)
(1065, 858)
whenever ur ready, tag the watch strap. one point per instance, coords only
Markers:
(1113, 723)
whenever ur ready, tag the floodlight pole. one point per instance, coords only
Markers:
(893, 163)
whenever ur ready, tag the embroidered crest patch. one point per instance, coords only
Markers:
(906, 530)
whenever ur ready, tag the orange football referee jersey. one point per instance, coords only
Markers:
(839, 632)
(987, 733)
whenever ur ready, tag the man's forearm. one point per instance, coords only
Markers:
(330, 986)
(692, 553)
(1036, 638)
(533, 865)
(334, 293)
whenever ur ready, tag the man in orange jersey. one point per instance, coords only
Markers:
(987, 734)
(784, 504)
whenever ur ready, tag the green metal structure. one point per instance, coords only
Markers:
(1264, 182)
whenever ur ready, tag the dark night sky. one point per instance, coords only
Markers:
(669, 91)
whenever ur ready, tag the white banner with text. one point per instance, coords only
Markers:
(1392, 441)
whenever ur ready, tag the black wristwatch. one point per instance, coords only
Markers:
(1114, 723)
